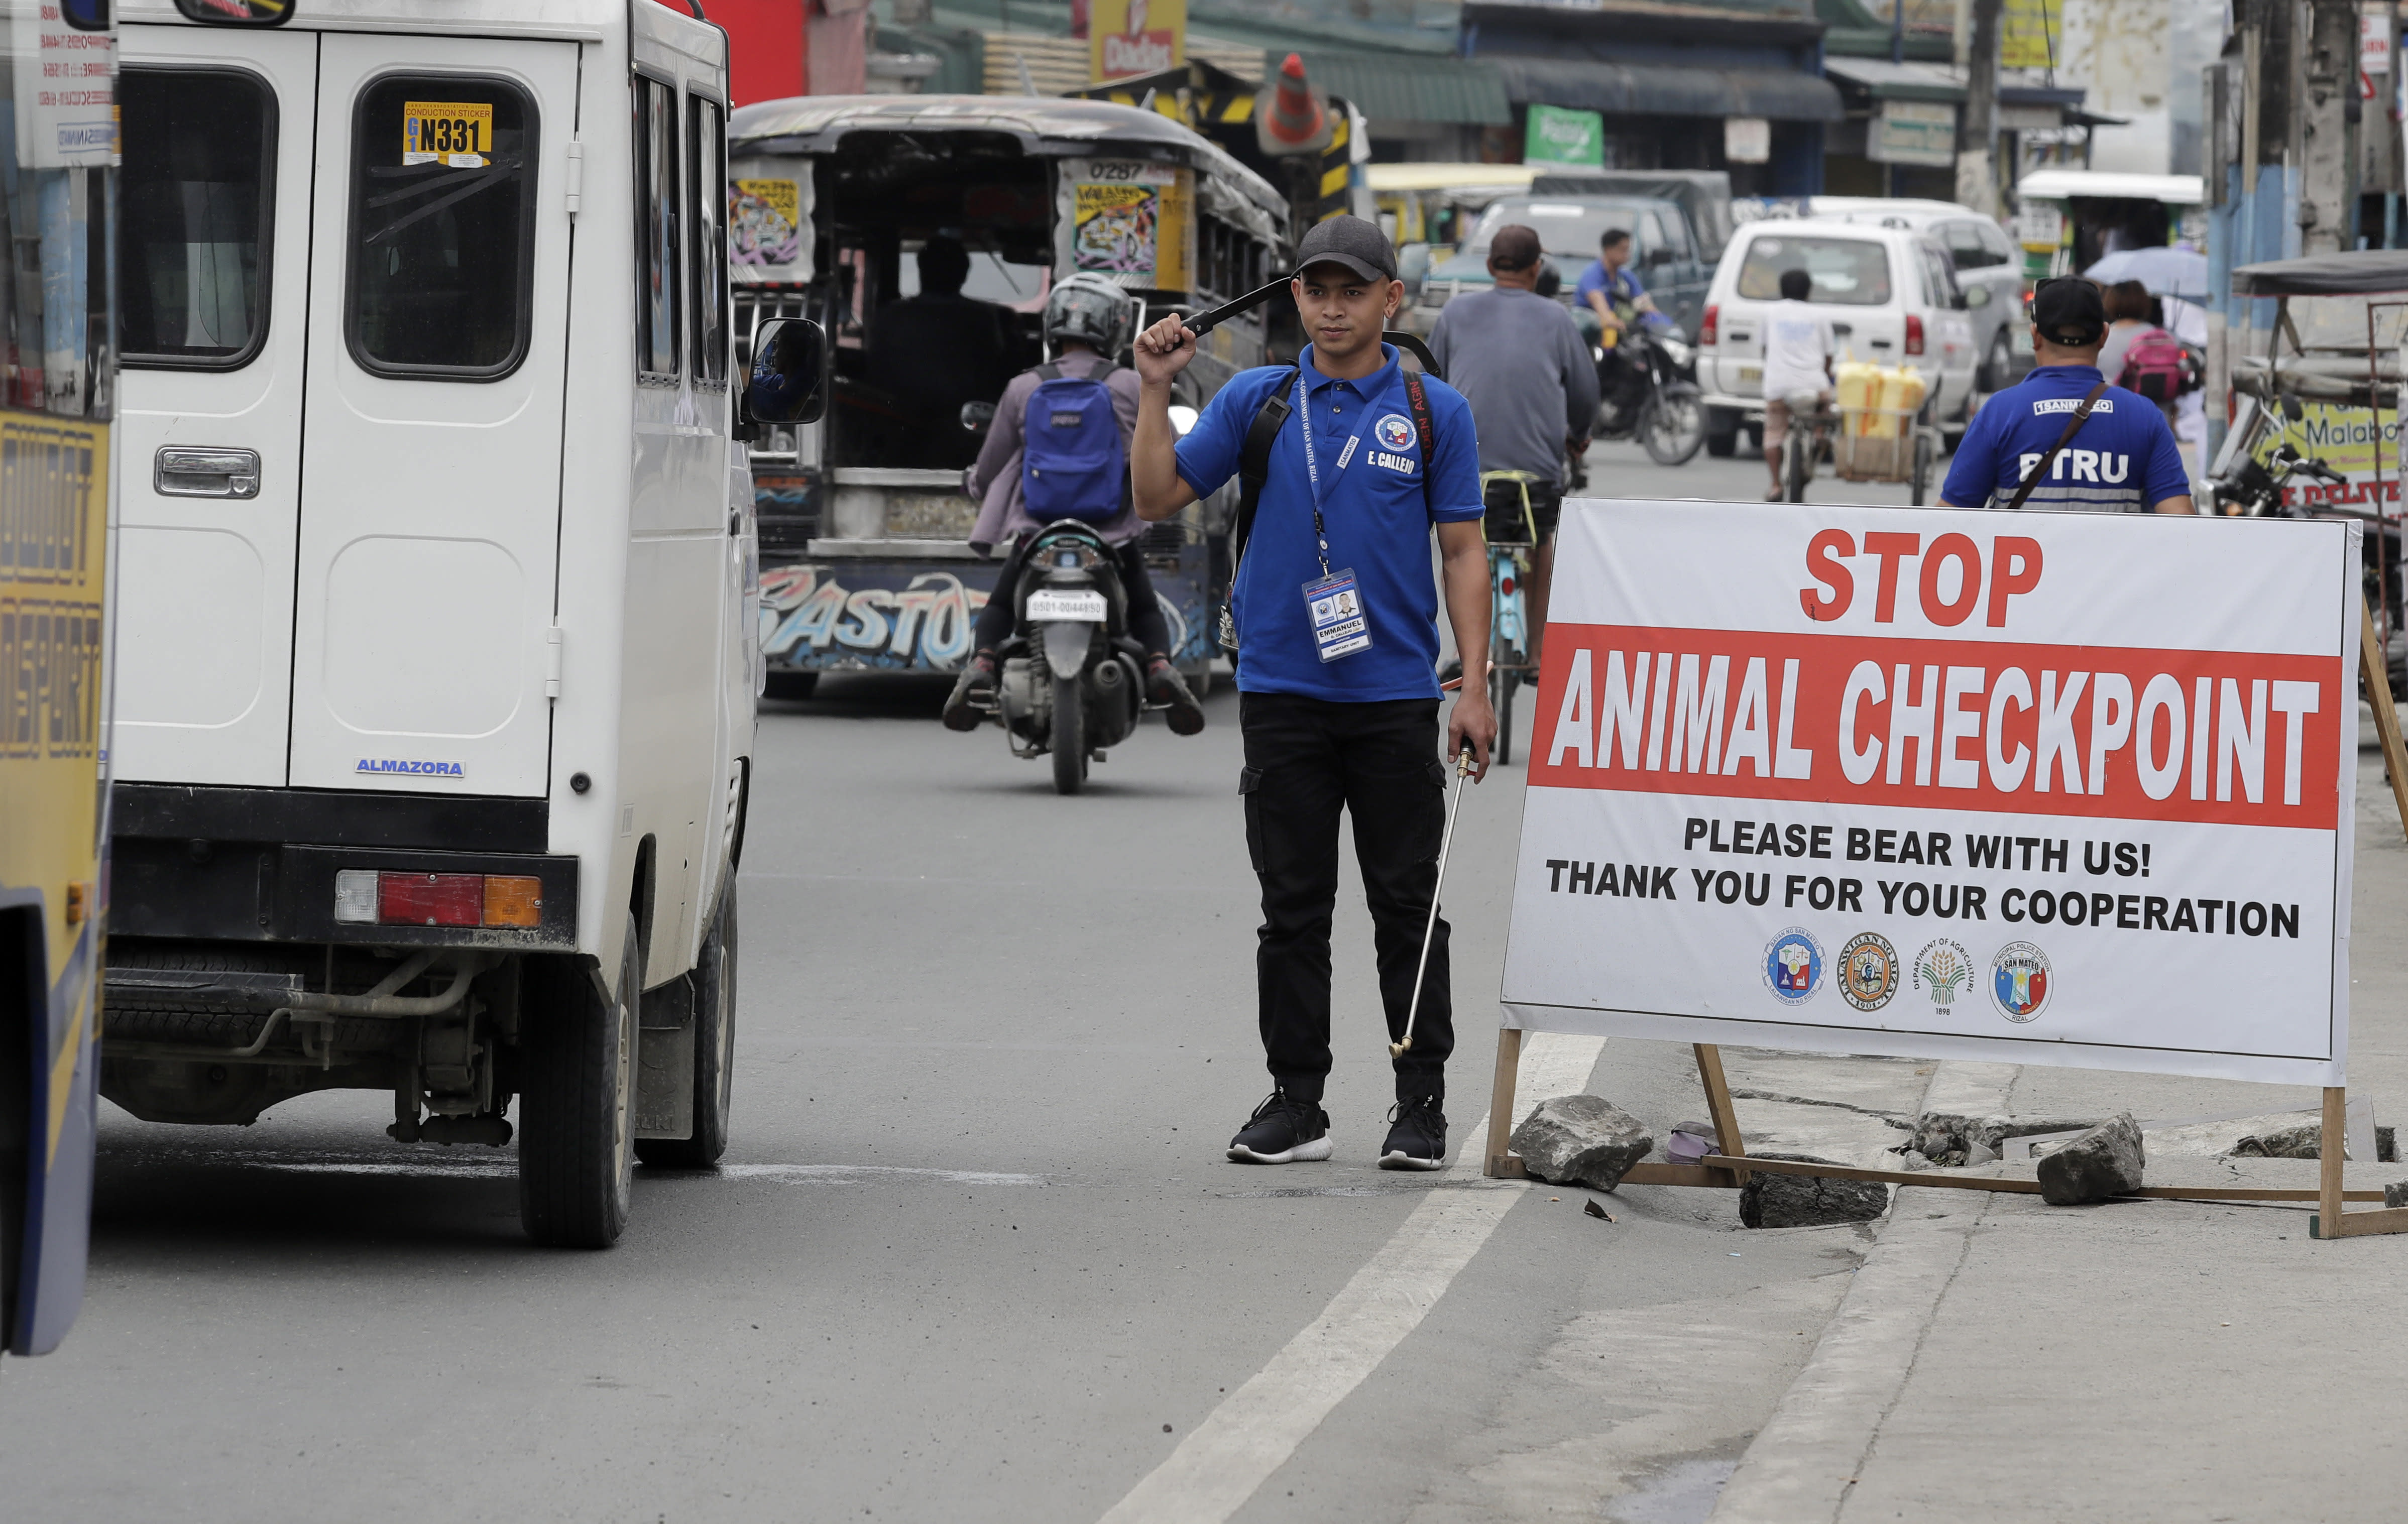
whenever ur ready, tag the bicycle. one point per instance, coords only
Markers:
(1509, 621)
(1802, 447)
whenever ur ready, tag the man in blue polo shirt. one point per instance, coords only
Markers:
(1336, 625)
(2121, 459)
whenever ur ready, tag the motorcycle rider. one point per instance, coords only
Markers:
(1087, 320)
(1611, 290)
(1519, 360)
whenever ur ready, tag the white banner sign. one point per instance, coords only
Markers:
(2052, 788)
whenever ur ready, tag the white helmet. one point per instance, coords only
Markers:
(1089, 307)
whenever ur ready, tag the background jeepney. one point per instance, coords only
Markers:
(863, 523)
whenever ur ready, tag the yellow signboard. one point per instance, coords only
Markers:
(2343, 437)
(765, 222)
(2031, 34)
(1135, 37)
(456, 133)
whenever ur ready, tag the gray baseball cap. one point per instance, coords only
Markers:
(1351, 241)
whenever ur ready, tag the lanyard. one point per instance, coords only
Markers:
(1313, 466)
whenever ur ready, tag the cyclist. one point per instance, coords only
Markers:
(1797, 348)
(1087, 320)
(1519, 360)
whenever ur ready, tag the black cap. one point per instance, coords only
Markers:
(1351, 241)
(2069, 311)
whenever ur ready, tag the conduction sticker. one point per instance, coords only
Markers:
(456, 133)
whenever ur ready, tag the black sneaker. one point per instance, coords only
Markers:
(1283, 1131)
(1165, 686)
(973, 696)
(1416, 1136)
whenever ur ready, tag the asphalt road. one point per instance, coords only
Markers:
(976, 1252)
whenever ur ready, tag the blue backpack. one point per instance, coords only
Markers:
(1074, 465)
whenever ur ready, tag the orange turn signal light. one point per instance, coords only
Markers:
(513, 901)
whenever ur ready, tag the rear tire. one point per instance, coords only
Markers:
(1923, 453)
(1500, 700)
(577, 1104)
(1722, 432)
(714, 1051)
(1797, 464)
(1069, 736)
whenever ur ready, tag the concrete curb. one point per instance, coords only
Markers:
(1800, 1466)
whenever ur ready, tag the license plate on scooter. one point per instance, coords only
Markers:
(1085, 608)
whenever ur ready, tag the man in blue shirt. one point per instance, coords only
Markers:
(2122, 459)
(1610, 287)
(1337, 623)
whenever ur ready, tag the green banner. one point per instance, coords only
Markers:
(1555, 135)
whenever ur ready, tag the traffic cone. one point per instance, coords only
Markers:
(1291, 117)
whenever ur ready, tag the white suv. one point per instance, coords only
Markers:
(1889, 292)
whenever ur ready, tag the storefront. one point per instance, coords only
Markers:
(1738, 92)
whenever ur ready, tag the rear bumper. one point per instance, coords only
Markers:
(259, 864)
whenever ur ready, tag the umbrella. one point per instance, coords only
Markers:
(2167, 272)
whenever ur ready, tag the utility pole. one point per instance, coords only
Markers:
(2320, 120)
(1977, 143)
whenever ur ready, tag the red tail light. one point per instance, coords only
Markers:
(1706, 327)
(431, 899)
(1914, 333)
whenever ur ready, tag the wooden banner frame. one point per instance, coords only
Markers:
(1728, 1168)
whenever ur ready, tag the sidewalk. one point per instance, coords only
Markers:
(1999, 1358)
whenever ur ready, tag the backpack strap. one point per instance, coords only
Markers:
(1419, 400)
(1048, 372)
(1254, 465)
(2081, 416)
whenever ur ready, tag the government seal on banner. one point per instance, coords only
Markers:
(1869, 971)
(2019, 980)
(1943, 970)
(1793, 966)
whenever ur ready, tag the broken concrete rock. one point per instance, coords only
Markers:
(1805, 1201)
(2395, 1194)
(2306, 1140)
(1581, 1140)
(1977, 1153)
(2105, 1162)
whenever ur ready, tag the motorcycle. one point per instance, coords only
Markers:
(1072, 680)
(2242, 485)
(1649, 392)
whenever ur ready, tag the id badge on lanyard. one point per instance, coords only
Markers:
(1333, 601)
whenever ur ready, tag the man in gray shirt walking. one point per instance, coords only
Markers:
(1518, 358)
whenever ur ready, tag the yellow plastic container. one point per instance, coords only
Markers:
(1902, 392)
(1859, 388)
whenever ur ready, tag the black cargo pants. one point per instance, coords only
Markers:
(1306, 759)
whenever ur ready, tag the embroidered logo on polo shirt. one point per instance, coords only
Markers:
(1396, 432)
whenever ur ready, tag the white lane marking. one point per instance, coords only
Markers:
(1216, 1468)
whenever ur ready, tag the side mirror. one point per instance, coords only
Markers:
(1412, 267)
(978, 417)
(2291, 408)
(789, 380)
(1978, 296)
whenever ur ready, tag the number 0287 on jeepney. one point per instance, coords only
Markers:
(432, 756)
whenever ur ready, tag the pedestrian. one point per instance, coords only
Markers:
(1336, 619)
(1519, 359)
(1797, 345)
(2063, 436)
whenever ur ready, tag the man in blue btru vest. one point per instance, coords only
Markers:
(1058, 449)
(2063, 437)
(1337, 628)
